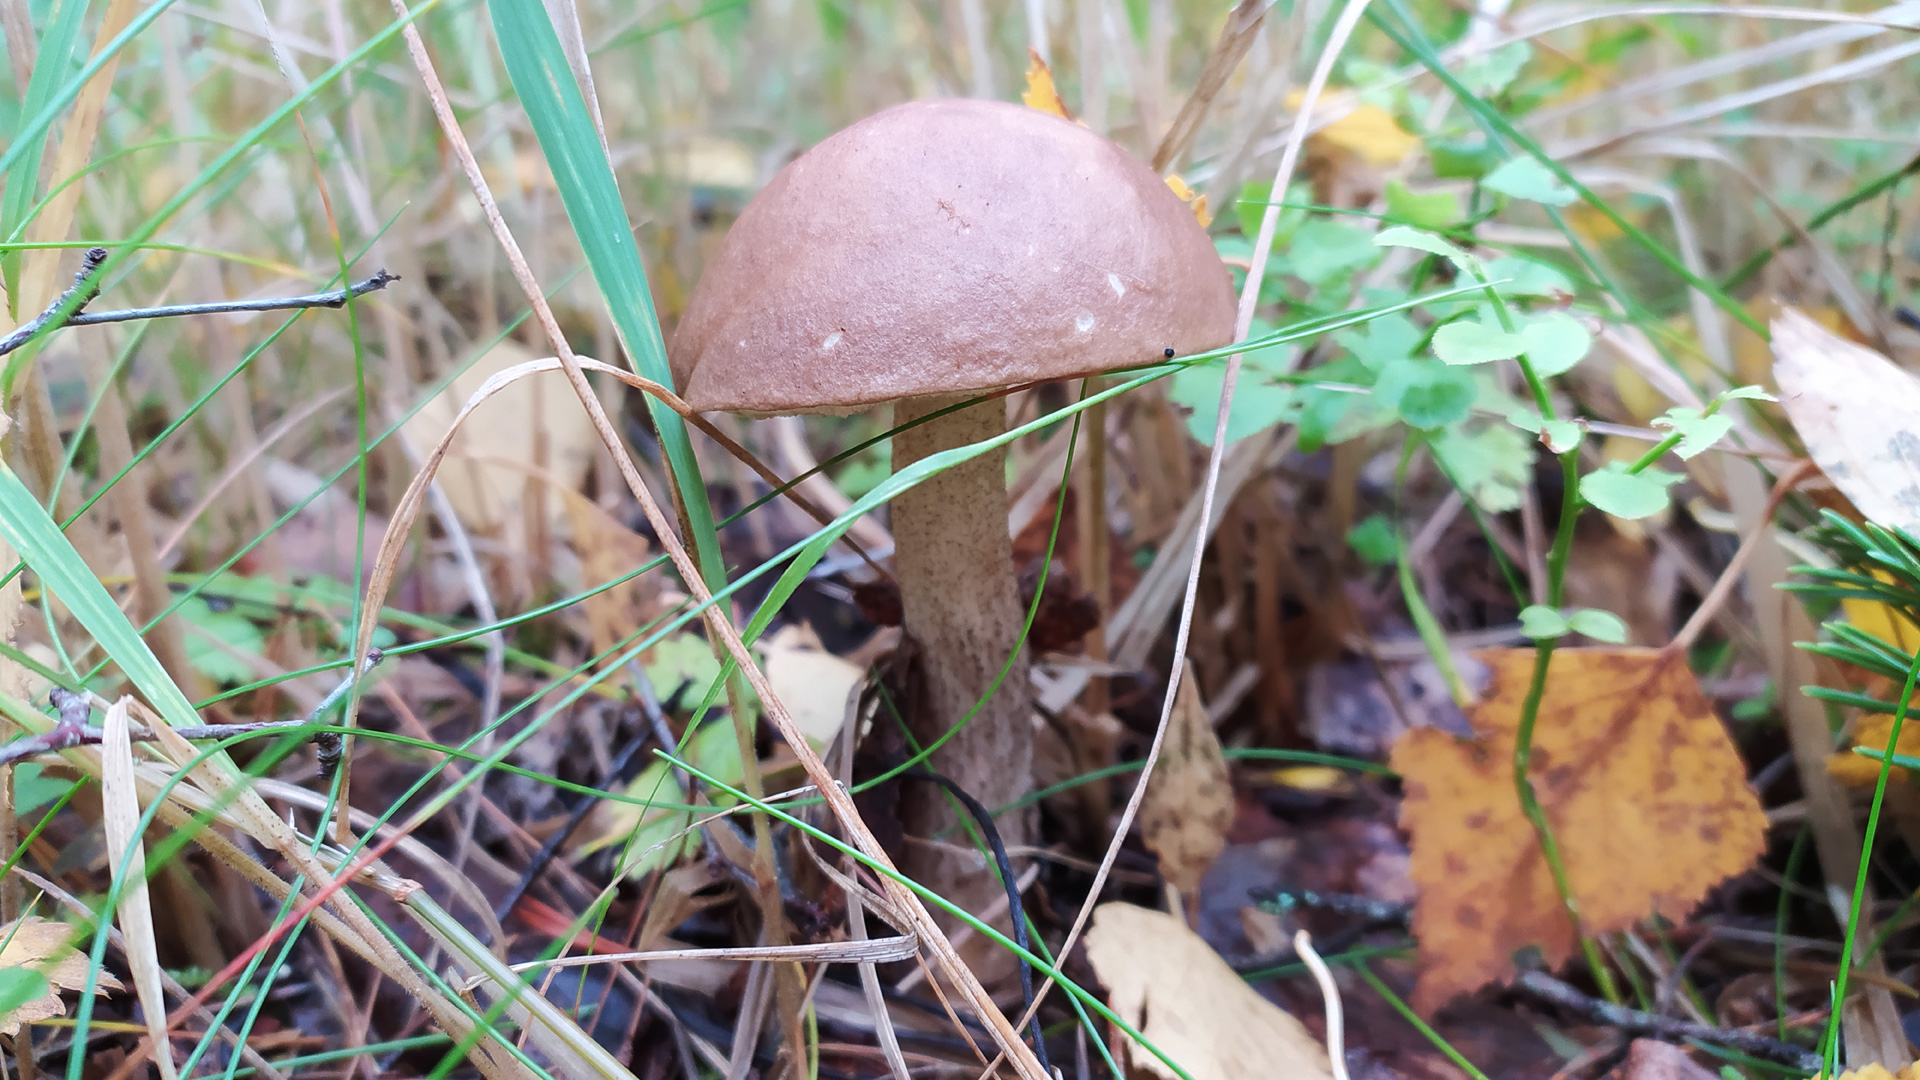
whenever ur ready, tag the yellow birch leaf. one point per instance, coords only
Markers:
(1643, 788)
(1040, 93)
(1368, 131)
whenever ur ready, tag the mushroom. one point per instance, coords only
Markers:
(923, 256)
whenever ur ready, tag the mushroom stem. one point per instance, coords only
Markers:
(960, 604)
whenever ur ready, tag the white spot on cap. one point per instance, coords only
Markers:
(1084, 323)
(1119, 289)
(743, 343)
(832, 340)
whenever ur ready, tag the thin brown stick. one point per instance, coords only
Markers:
(1729, 577)
(1547, 988)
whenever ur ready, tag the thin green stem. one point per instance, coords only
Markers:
(1400, 1006)
(1557, 558)
(1830, 1042)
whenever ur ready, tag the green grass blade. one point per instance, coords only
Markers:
(23, 175)
(25, 525)
(587, 187)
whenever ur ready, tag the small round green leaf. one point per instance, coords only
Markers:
(1374, 540)
(1404, 236)
(1697, 433)
(1555, 342)
(1525, 178)
(1470, 342)
(1428, 210)
(1541, 622)
(1425, 394)
(1598, 625)
(1627, 495)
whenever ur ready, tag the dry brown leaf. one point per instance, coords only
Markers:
(493, 454)
(1189, 802)
(1645, 792)
(816, 686)
(1651, 1059)
(1175, 990)
(47, 947)
(1856, 413)
(608, 549)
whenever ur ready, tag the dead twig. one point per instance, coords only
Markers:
(1549, 989)
(88, 286)
(72, 729)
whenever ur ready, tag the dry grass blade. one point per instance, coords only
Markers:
(1236, 37)
(1249, 298)
(1724, 64)
(120, 810)
(173, 988)
(222, 780)
(718, 625)
(873, 951)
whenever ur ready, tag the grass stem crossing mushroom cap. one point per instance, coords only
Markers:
(945, 247)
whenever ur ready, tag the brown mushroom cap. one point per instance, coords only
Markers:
(944, 247)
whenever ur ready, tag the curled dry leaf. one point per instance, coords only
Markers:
(496, 451)
(1645, 792)
(1857, 413)
(46, 947)
(1175, 990)
(607, 550)
(1189, 801)
(816, 686)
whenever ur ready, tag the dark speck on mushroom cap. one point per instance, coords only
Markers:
(944, 247)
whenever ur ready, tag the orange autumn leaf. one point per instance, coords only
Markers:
(1645, 792)
(1040, 93)
(1872, 732)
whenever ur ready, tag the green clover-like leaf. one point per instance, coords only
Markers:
(1541, 622)
(1697, 432)
(1374, 540)
(1525, 178)
(1598, 625)
(1556, 341)
(1628, 495)
(1425, 209)
(1491, 463)
(1558, 436)
(1426, 395)
(1469, 341)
